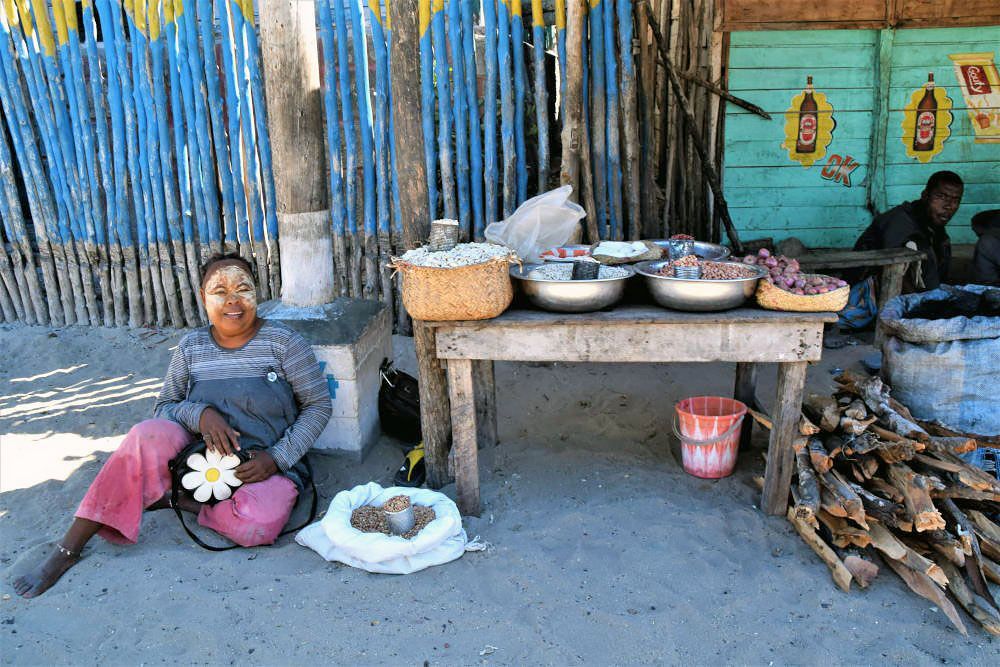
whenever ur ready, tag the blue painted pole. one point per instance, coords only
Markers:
(216, 115)
(490, 176)
(629, 97)
(506, 109)
(517, 51)
(350, 147)
(561, 53)
(381, 135)
(337, 210)
(427, 105)
(461, 115)
(472, 105)
(263, 145)
(614, 174)
(367, 156)
(397, 213)
(209, 229)
(118, 149)
(541, 93)
(445, 154)
(598, 109)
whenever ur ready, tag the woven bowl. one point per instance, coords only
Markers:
(476, 292)
(775, 298)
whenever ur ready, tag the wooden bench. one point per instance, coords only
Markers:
(893, 261)
(459, 406)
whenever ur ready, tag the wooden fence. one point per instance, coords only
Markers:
(139, 131)
(143, 146)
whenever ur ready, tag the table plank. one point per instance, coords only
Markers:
(761, 341)
(848, 259)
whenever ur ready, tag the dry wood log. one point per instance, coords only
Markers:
(876, 396)
(900, 408)
(889, 545)
(965, 493)
(925, 587)
(983, 525)
(942, 431)
(951, 445)
(761, 418)
(973, 563)
(831, 503)
(988, 547)
(977, 607)
(864, 571)
(916, 497)
(808, 498)
(818, 456)
(842, 495)
(861, 444)
(990, 570)
(946, 545)
(865, 467)
(885, 489)
(822, 410)
(834, 445)
(852, 426)
(842, 533)
(886, 434)
(806, 427)
(856, 410)
(969, 475)
(886, 511)
(898, 452)
(841, 575)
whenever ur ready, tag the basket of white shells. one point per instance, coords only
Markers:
(468, 282)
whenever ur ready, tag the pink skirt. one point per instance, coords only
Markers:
(136, 476)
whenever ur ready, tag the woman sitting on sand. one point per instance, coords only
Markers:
(242, 384)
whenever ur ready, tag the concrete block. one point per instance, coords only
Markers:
(350, 338)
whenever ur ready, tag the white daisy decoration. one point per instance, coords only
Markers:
(211, 474)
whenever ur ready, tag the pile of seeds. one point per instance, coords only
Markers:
(712, 270)
(565, 272)
(464, 254)
(397, 503)
(371, 519)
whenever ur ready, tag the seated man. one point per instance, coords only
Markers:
(986, 260)
(920, 224)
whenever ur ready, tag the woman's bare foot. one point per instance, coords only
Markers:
(185, 502)
(46, 574)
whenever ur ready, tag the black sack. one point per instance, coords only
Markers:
(399, 404)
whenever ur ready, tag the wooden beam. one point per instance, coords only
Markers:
(462, 391)
(780, 453)
(435, 407)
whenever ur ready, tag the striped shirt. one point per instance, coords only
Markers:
(275, 347)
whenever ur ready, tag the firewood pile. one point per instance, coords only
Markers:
(870, 479)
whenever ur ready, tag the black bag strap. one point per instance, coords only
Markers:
(175, 485)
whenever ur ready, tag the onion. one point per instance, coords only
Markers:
(764, 252)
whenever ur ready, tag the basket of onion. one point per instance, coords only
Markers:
(785, 287)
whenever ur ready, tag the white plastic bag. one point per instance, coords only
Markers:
(333, 537)
(545, 221)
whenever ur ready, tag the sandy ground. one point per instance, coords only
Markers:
(604, 550)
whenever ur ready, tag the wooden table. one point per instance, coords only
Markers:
(461, 402)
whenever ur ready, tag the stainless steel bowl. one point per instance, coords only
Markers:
(570, 296)
(697, 295)
(703, 249)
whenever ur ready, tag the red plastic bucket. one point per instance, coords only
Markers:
(710, 434)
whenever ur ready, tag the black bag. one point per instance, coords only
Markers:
(399, 404)
(178, 468)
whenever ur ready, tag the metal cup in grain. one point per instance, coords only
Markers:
(586, 269)
(402, 521)
(680, 248)
(444, 235)
(687, 272)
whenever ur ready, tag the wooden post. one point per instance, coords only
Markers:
(780, 453)
(295, 122)
(890, 285)
(486, 402)
(406, 118)
(435, 406)
(745, 392)
(462, 391)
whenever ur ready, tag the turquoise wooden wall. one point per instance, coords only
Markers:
(868, 77)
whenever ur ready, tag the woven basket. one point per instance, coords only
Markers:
(476, 292)
(775, 298)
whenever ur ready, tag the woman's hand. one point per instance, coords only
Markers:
(218, 435)
(260, 466)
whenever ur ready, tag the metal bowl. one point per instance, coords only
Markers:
(697, 295)
(710, 251)
(570, 296)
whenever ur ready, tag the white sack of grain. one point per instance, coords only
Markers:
(545, 221)
(335, 539)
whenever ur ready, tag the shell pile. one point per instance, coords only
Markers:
(464, 254)
(565, 272)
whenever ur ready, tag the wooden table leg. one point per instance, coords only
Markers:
(890, 286)
(780, 455)
(486, 401)
(462, 389)
(746, 392)
(435, 411)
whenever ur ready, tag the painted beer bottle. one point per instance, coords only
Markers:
(808, 121)
(925, 126)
